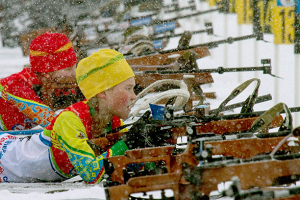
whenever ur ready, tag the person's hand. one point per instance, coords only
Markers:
(142, 134)
(133, 138)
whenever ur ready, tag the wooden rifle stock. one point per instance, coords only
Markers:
(186, 177)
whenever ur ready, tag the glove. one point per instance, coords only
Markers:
(142, 134)
(133, 139)
(155, 136)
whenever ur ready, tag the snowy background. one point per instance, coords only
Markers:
(247, 53)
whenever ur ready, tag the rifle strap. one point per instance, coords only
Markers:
(250, 101)
(182, 95)
(266, 118)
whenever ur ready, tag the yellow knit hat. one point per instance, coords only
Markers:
(101, 71)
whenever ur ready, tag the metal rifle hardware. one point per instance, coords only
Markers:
(207, 123)
(157, 21)
(259, 99)
(249, 102)
(214, 44)
(259, 124)
(165, 8)
(247, 105)
(149, 24)
(237, 193)
(206, 45)
(208, 30)
(202, 125)
(156, 58)
(194, 172)
(209, 118)
(266, 68)
(209, 45)
(262, 121)
(176, 9)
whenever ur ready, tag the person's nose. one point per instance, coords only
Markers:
(133, 95)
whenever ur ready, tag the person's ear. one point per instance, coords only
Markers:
(102, 95)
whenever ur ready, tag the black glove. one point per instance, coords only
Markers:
(133, 138)
(142, 134)
(155, 135)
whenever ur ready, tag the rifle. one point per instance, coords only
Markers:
(140, 20)
(146, 19)
(156, 40)
(229, 40)
(266, 69)
(182, 173)
(193, 173)
(259, 99)
(260, 193)
(208, 30)
(179, 125)
(154, 22)
(188, 126)
(163, 57)
(145, 76)
(176, 9)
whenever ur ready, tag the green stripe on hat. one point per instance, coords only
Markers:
(94, 70)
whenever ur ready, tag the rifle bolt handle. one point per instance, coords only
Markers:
(189, 130)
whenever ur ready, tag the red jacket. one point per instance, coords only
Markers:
(20, 107)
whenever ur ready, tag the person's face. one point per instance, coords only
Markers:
(69, 72)
(120, 98)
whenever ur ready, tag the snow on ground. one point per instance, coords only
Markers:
(51, 191)
(239, 54)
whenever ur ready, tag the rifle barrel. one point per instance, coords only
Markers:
(220, 70)
(208, 30)
(156, 22)
(191, 15)
(180, 34)
(215, 43)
